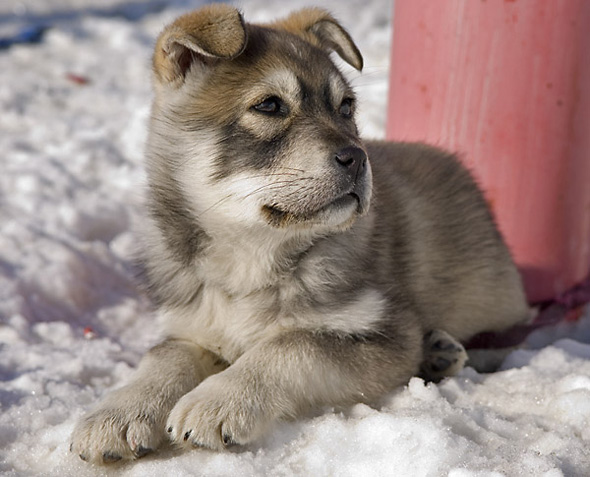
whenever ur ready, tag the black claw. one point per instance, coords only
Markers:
(142, 451)
(228, 440)
(72, 447)
(108, 457)
(83, 457)
(187, 435)
(169, 430)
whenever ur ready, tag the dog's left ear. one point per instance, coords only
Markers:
(318, 27)
(205, 36)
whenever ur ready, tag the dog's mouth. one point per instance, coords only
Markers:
(347, 204)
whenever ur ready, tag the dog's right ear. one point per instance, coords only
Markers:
(211, 33)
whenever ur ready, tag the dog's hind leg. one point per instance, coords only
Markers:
(130, 421)
(443, 356)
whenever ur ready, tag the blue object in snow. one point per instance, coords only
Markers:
(27, 34)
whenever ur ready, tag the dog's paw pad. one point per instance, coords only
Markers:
(440, 365)
(443, 356)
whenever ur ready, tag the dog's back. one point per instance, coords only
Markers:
(436, 243)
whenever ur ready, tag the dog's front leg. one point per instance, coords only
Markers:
(286, 375)
(130, 422)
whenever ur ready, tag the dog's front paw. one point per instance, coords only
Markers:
(219, 413)
(128, 424)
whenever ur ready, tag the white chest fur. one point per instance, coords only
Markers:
(249, 291)
(239, 281)
(222, 323)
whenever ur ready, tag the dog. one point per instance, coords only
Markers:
(293, 264)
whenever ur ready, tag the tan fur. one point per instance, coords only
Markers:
(217, 31)
(320, 28)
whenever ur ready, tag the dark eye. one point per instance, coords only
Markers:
(272, 105)
(346, 108)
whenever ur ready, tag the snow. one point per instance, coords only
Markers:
(74, 324)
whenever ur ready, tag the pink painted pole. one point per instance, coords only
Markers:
(507, 85)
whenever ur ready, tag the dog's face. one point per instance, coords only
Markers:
(263, 133)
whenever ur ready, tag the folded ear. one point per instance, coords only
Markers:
(320, 28)
(211, 33)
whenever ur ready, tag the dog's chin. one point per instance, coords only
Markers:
(339, 214)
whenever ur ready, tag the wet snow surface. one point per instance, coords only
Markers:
(73, 323)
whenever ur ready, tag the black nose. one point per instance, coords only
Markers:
(353, 159)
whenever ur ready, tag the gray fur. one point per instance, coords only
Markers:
(289, 276)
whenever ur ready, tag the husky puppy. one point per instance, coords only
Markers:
(294, 265)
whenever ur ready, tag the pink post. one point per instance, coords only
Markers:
(507, 85)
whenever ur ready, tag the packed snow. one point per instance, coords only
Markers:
(74, 323)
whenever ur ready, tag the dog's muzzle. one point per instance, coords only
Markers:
(346, 195)
(353, 161)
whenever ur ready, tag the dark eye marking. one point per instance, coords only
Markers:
(346, 108)
(273, 105)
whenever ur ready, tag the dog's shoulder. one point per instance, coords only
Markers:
(419, 163)
(427, 180)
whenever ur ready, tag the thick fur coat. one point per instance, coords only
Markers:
(294, 264)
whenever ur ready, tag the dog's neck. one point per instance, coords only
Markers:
(245, 260)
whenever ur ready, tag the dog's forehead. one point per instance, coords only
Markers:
(283, 79)
(286, 59)
(291, 83)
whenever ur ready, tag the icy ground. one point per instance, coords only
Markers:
(73, 324)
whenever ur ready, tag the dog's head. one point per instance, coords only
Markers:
(256, 124)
